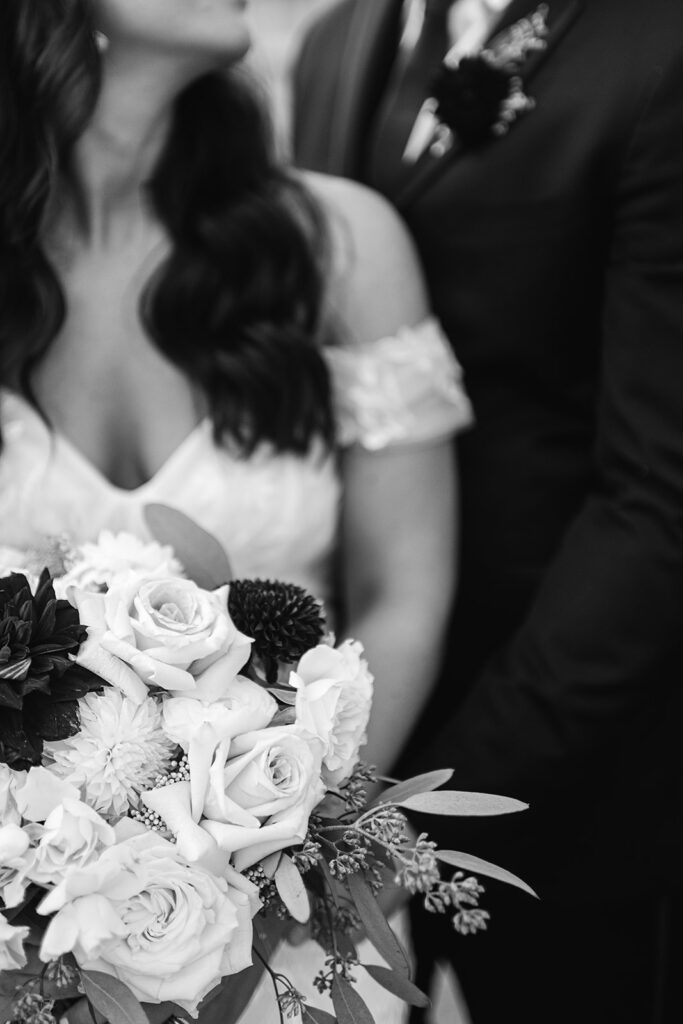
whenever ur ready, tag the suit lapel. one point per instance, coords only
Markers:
(562, 14)
(367, 55)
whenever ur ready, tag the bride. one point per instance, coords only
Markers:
(184, 321)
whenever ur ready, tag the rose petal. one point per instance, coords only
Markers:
(41, 792)
(93, 656)
(13, 843)
(173, 804)
(203, 743)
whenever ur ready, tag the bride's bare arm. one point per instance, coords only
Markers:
(399, 501)
(397, 562)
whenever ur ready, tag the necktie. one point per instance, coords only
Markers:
(406, 91)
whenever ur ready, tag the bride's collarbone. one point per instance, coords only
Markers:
(103, 287)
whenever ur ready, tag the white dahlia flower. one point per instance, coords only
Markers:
(12, 560)
(49, 553)
(114, 558)
(119, 751)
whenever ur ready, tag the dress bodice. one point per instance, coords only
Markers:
(274, 513)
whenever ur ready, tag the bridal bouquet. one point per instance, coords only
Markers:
(177, 755)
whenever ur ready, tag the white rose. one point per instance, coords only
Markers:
(72, 836)
(12, 956)
(14, 848)
(116, 557)
(40, 792)
(262, 789)
(334, 697)
(158, 633)
(167, 930)
(221, 708)
(9, 780)
(242, 706)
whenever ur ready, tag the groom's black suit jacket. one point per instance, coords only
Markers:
(554, 258)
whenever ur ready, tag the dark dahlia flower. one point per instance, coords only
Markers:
(39, 685)
(37, 634)
(470, 98)
(284, 620)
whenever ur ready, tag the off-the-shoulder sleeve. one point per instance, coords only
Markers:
(398, 390)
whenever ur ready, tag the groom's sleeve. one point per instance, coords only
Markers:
(586, 667)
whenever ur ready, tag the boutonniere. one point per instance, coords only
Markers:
(477, 98)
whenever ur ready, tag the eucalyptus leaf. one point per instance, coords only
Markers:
(376, 925)
(332, 883)
(397, 984)
(455, 803)
(284, 696)
(112, 998)
(314, 1015)
(285, 716)
(292, 891)
(411, 787)
(202, 557)
(270, 863)
(467, 862)
(348, 1005)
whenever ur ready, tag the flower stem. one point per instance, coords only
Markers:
(274, 979)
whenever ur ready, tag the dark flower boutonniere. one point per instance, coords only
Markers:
(477, 98)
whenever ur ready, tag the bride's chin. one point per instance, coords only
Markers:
(215, 56)
(225, 50)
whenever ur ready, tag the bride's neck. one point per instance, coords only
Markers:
(115, 157)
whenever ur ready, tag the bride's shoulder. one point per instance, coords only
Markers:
(375, 280)
(363, 210)
(395, 378)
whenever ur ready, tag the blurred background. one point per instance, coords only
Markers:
(278, 25)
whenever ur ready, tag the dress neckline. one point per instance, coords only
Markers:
(73, 452)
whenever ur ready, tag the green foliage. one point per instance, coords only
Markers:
(348, 1005)
(456, 804)
(200, 554)
(397, 984)
(477, 866)
(112, 998)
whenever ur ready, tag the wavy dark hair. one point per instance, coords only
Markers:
(237, 304)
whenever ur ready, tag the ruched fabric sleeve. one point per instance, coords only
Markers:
(402, 389)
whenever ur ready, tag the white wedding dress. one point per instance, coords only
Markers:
(275, 514)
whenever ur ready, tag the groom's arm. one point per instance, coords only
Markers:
(583, 667)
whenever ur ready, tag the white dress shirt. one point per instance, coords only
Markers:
(469, 22)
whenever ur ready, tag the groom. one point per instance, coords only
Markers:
(554, 256)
